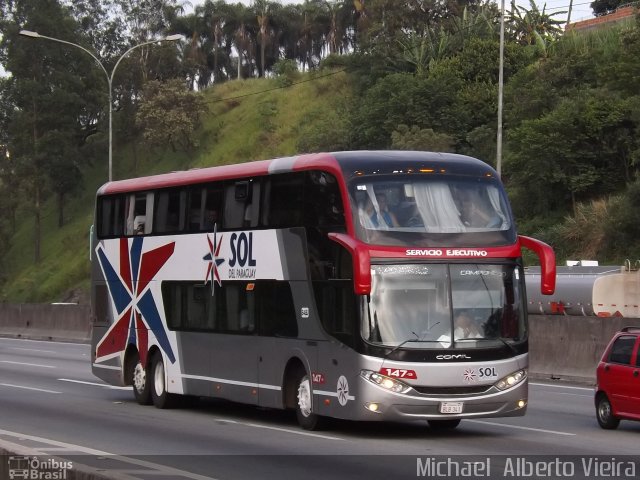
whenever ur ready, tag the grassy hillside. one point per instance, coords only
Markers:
(248, 120)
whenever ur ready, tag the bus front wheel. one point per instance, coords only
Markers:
(161, 398)
(140, 381)
(306, 418)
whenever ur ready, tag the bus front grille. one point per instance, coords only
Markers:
(446, 391)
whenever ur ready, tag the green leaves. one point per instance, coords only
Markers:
(170, 114)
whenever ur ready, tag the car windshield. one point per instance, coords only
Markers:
(424, 205)
(426, 305)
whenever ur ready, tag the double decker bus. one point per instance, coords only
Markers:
(364, 285)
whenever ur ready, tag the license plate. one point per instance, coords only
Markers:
(451, 407)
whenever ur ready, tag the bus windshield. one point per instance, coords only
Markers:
(390, 208)
(422, 305)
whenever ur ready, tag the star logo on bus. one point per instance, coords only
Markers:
(129, 284)
(213, 260)
(469, 375)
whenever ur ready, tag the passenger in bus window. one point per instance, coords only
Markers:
(465, 326)
(138, 225)
(474, 213)
(386, 218)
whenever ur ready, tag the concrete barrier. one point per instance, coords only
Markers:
(68, 323)
(563, 347)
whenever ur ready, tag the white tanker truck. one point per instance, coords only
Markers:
(603, 291)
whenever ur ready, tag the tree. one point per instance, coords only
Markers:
(533, 26)
(51, 106)
(240, 17)
(170, 114)
(583, 148)
(605, 7)
(415, 138)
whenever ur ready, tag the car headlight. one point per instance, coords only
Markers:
(385, 382)
(511, 380)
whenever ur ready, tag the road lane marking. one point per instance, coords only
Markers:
(518, 427)
(32, 350)
(296, 432)
(27, 364)
(571, 394)
(156, 468)
(108, 367)
(44, 341)
(96, 384)
(561, 386)
(28, 388)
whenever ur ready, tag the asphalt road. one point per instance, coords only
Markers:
(50, 402)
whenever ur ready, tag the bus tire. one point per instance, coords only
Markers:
(444, 424)
(604, 413)
(140, 381)
(306, 418)
(159, 395)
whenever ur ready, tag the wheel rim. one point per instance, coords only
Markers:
(304, 397)
(604, 410)
(158, 379)
(139, 377)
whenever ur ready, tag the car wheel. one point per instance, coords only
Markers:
(304, 406)
(159, 395)
(604, 413)
(140, 381)
(444, 424)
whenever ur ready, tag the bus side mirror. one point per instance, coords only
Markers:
(547, 263)
(361, 262)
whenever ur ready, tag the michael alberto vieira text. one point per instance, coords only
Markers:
(522, 467)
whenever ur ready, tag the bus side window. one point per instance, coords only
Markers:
(337, 308)
(213, 200)
(195, 212)
(168, 208)
(283, 200)
(241, 204)
(110, 216)
(137, 204)
(323, 202)
(276, 310)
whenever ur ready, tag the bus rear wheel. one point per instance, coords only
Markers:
(306, 418)
(140, 381)
(159, 395)
(444, 424)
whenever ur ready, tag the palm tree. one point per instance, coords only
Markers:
(215, 16)
(237, 27)
(530, 27)
(262, 9)
(192, 55)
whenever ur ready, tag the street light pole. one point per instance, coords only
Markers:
(170, 38)
(500, 91)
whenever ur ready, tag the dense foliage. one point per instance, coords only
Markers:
(416, 74)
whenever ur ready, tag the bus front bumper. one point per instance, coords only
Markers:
(374, 403)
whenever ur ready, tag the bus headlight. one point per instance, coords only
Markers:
(511, 380)
(385, 382)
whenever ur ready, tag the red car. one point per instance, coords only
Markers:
(618, 380)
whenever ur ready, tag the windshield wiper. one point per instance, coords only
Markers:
(418, 339)
(485, 339)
